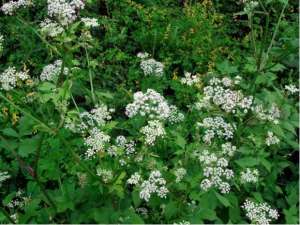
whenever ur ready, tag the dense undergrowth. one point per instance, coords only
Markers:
(149, 111)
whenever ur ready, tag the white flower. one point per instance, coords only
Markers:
(134, 179)
(10, 77)
(95, 142)
(215, 172)
(216, 126)
(271, 139)
(259, 213)
(52, 71)
(228, 149)
(106, 175)
(142, 55)
(183, 222)
(272, 114)
(3, 177)
(189, 79)
(150, 104)
(292, 89)
(151, 66)
(155, 184)
(221, 94)
(152, 131)
(179, 173)
(90, 22)
(9, 8)
(175, 116)
(249, 5)
(51, 28)
(65, 12)
(121, 141)
(249, 176)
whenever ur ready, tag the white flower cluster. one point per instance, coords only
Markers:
(249, 176)
(189, 79)
(152, 131)
(183, 222)
(106, 175)
(90, 22)
(96, 142)
(249, 5)
(175, 116)
(153, 105)
(97, 117)
(155, 184)
(216, 126)
(9, 8)
(51, 28)
(271, 139)
(216, 172)
(129, 146)
(134, 179)
(10, 78)
(19, 201)
(220, 93)
(179, 173)
(65, 12)
(292, 89)
(52, 71)
(272, 114)
(150, 104)
(228, 149)
(3, 177)
(151, 66)
(260, 213)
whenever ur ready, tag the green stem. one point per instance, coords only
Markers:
(7, 215)
(252, 37)
(30, 171)
(265, 59)
(37, 34)
(90, 76)
(28, 114)
(77, 159)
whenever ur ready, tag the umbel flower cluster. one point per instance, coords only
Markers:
(90, 124)
(215, 171)
(153, 105)
(189, 79)
(220, 92)
(152, 131)
(260, 213)
(216, 127)
(52, 71)
(155, 184)
(249, 176)
(11, 78)
(90, 22)
(63, 11)
(10, 7)
(51, 28)
(271, 139)
(150, 66)
(271, 114)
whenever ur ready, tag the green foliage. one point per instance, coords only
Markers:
(50, 178)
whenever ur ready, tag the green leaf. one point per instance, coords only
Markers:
(223, 199)
(136, 198)
(226, 68)
(10, 132)
(247, 162)
(28, 146)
